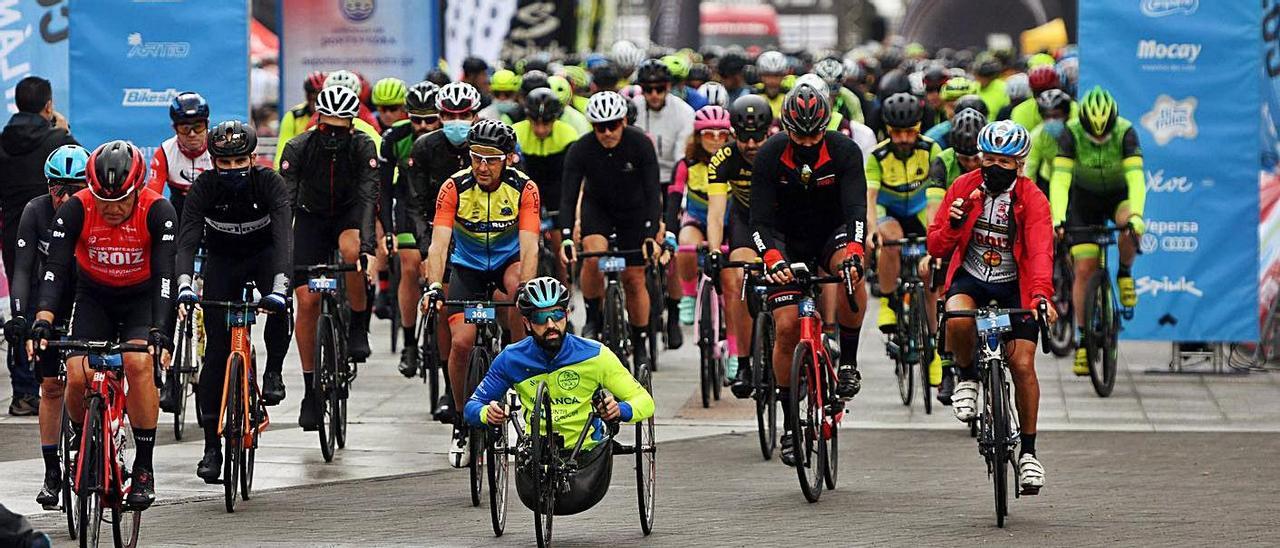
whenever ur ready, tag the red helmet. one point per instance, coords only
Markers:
(314, 82)
(1042, 78)
(115, 170)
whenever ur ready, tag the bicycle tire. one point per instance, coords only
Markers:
(180, 373)
(325, 354)
(706, 342)
(90, 520)
(830, 435)
(657, 290)
(924, 345)
(255, 421)
(614, 331)
(340, 401)
(89, 484)
(499, 463)
(543, 464)
(766, 393)
(1062, 333)
(477, 364)
(999, 409)
(393, 287)
(722, 345)
(68, 468)
(809, 450)
(646, 462)
(118, 519)
(1100, 315)
(232, 433)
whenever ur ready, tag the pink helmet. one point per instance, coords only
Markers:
(631, 92)
(711, 117)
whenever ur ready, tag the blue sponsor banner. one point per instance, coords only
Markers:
(131, 57)
(1184, 72)
(33, 41)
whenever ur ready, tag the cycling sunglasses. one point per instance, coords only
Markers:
(66, 188)
(757, 136)
(428, 119)
(195, 128)
(717, 133)
(487, 158)
(539, 317)
(605, 127)
(653, 89)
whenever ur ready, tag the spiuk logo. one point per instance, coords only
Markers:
(1170, 119)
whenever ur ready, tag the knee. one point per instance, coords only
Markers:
(633, 282)
(461, 345)
(52, 388)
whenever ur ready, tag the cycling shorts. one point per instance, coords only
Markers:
(816, 253)
(913, 226)
(739, 227)
(469, 284)
(629, 226)
(315, 238)
(112, 315)
(1003, 295)
(404, 225)
(1086, 208)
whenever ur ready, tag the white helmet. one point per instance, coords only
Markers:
(771, 62)
(344, 78)
(917, 83)
(817, 82)
(338, 101)
(458, 97)
(715, 93)
(831, 70)
(1017, 86)
(606, 106)
(626, 55)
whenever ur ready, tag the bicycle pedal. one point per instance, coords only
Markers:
(52, 507)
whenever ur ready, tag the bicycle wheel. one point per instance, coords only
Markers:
(90, 519)
(339, 400)
(806, 422)
(68, 472)
(614, 331)
(766, 393)
(476, 367)
(233, 432)
(657, 290)
(923, 344)
(998, 407)
(89, 484)
(904, 370)
(544, 467)
(1062, 333)
(125, 526)
(180, 374)
(255, 421)
(393, 260)
(722, 344)
(706, 349)
(830, 430)
(646, 462)
(325, 367)
(1100, 318)
(498, 464)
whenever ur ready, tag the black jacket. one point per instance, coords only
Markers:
(24, 146)
(333, 183)
(238, 224)
(432, 161)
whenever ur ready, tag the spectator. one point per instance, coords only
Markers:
(26, 142)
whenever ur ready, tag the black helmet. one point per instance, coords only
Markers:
(632, 113)
(1053, 99)
(421, 100)
(965, 126)
(974, 102)
(653, 71)
(232, 138)
(116, 170)
(987, 66)
(731, 64)
(805, 111)
(188, 106)
(437, 77)
(698, 73)
(532, 80)
(934, 78)
(537, 62)
(542, 105)
(894, 81)
(473, 65)
(901, 110)
(492, 133)
(750, 116)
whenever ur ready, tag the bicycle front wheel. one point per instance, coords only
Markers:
(923, 343)
(542, 462)
(806, 423)
(232, 432)
(325, 389)
(997, 397)
(498, 465)
(68, 473)
(706, 345)
(1062, 333)
(476, 368)
(654, 283)
(1100, 315)
(646, 462)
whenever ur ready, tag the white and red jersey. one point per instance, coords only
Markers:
(173, 168)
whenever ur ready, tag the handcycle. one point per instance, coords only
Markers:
(334, 369)
(997, 419)
(552, 480)
(1102, 312)
(912, 344)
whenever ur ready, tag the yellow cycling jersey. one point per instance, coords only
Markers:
(903, 182)
(727, 172)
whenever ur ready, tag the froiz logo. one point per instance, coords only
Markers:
(1152, 286)
(1156, 182)
(1169, 119)
(1161, 8)
(138, 48)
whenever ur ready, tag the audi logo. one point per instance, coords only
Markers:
(1179, 244)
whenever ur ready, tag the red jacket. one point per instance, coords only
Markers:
(1032, 242)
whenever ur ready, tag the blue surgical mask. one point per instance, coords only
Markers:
(1054, 127)
(456, 131)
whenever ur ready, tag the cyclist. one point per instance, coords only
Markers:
(365, 122)
(183, 157)
(844, 101)
(711, 130)
(388, 97)
(580, 79)
(1027, 113)
(505, 86)
(729, 172)
(545, 139)
(1055, 108)
(562, 88)
(64, 170)
(772, 67)
(813, 176)
(331, 174)
(997, 233)
(620, 195)
(239, 213)
(679, 67)
(1108, 185)
(494, 211)
(987, 69)
(731, 71)
(298, 119)
(962, 156)
(119, 237)
(941, 133)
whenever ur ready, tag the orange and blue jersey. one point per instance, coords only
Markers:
(487, 223)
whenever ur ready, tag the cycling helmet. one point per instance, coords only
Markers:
(1041, 78)
(605, 77)
(115, 170)
(711, 117)
(532, 80)
(1006, 138)
(632, 113)
(677, 65)
(438, 77)
(1051, 100)
(577, 77)
(539, 62)
(421, 99)
(344, 78)
(631, 92)
(458, 98)
(541, 292)
(771, 63)
(504, 80)
(494, 134)
(626, 55)
(750, 114)
(958, 87)
(1098, 112)
(339, 102)
(1017, 88)
(934, 78)
(606, 106)
(698, 73)
(232, 138)
(814, 80)
(987, 66)
(916, 79)
(389, 92)
(188, 106)
(831, 70)
(965, 126)
(560, 85)
(653, 71)
(543, 105)
(474, 65)
(894, 81)
(314, 82)
(715, 93)
(901, 110)
(805, 111)
(66, 163)
(1040, 60)
(974, 102)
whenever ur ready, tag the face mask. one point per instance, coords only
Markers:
(334, 137)
(998, 179)
(1054, 127)
(456, 131)
(234, 179)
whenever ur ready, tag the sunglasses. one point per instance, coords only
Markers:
(757, 136)
(717, 133)
(540, 317)
(605, 127)
(66, 188)
(487, 159)
(653, 89)
(191, 129)
(429, 119)
(390, 108)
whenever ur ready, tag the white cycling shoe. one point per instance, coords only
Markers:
(1030, 474)
(459, 456)
(964, 401)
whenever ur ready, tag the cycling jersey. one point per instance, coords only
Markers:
(334, 178)
(669, 128)
(30, 256)
(1044, 148)
(572, 377)
(577, 120)
(729, 172)
(486, 223)
(690, 189)
(544, 158)
(993, 94)
(622, 181)
(939, 133)
(238, 224)
(431, 161)
(1098, 168)
(394, 155)
(903, 182)
(944, 169)
(176, 169)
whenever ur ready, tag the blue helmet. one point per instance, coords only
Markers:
(187, 106)
(67, 163)
(1004, 137)
(542, 292)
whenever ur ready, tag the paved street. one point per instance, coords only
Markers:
(1168, 459)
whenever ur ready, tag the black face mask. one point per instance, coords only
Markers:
(235, 180)
(333, 137)
(998, 179)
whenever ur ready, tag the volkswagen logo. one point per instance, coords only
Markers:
(1149, 242)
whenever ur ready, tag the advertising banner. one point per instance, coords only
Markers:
(1269, 152)
(475, 28)
(542, 26)
(674, 23)
(133, 58)
(1179, 69)
(33, 41)
(377, 38)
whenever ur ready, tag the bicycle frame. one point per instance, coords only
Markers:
(811, 338)
(240, 316)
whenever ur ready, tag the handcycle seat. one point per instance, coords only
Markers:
(586, 488)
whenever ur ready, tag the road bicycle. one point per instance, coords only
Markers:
(334, 369)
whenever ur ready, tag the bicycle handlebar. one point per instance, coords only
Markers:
(326, 268)
(99, 347)
(467, 303)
